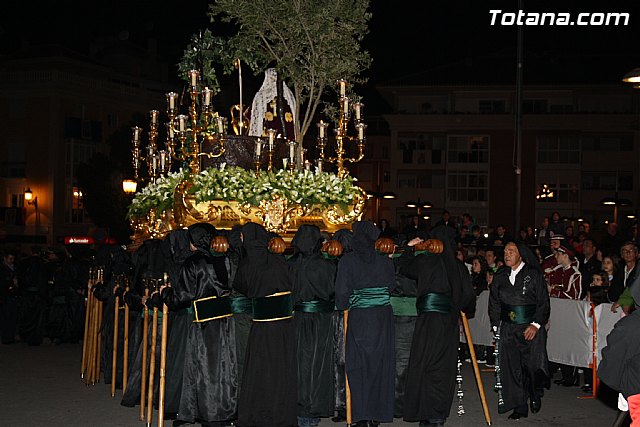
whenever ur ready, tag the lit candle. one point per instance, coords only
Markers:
(220, 121)
(321, 128)
(206, 94)
(357, 109)
(345, 105)
(361, 127)
(136, 133)
(170, 130)
(343, 87)
(292, 151)
(182, 122)
(272, 135)
(193, 76)
(307, 165)
(154, 116)
(319, 165)
(171, 100)
(258, 148)
(163, 161)
(154, 162)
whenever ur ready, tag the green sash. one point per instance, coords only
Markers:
(369, 297)
(315, 306)
(211, 308)
(241, 305)
(434, 303)
(150, 311)
(59, 300)
(518, 314)
(278, 306)
(404, 306)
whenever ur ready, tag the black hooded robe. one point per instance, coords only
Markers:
(524, 365)
(268, 391)
(243, 320)
(179, 324)
(404, 327)
(209, 383)
(431, 376)
(32, 278)
(344, 236)
(370, 353)
(314, 281)
(620, 365)
(148, 262)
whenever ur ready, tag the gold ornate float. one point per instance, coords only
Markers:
(205, 190)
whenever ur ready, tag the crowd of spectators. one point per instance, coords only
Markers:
(42, 295)
(577, 263)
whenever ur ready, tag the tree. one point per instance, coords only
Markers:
(311, 43)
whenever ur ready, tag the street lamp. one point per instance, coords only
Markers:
(615, 201)
(378, 195)
(632, 76)
(33, 200)
(419, 205)
(129, 186)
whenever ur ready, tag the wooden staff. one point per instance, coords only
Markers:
(476, 370)
(347, 394)
(152, 365)
(125, 347)
(87, 322)
(145, 340)
(93, 335)
(114, 357)
(99, 334)
(94, 340)
(163, 363)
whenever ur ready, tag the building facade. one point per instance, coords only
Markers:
(59, 108)
(454, 146)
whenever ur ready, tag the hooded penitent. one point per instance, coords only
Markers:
(268, 391)
(443, 288)
(314, 305)
(209, 375)
(370, 354)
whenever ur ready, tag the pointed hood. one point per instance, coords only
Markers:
(307, 240)
(365, 234)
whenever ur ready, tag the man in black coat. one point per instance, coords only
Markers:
(8, 299)
(519, 309)
(620, 365)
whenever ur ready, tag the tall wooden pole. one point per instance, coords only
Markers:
(125, 349)
(346, 378)
(163, 364)
(145, 339)
(114, 357)
(152, 365)
(476, 370)
(99, 334)
(87, 322)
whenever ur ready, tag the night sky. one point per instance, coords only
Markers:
(445, 42)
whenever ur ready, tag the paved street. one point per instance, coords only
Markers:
(41, 386)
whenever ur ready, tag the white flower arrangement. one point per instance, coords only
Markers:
(228, 183)
(157, 195)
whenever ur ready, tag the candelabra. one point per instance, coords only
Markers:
(190, 130)
(342, 137)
